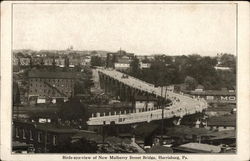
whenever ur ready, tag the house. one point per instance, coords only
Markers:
(226, 137)
(221, 123)
(60, 62)
(24, 61)
(199, 88)
(144, 103)
(47, 61)
(222, 68)
(144, 65)
(36, 61)
(15, 61)
(73, 62)
(119, 60)
(52, 84)
(19, 147)
(122, 63)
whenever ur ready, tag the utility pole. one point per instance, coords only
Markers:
(162, 114)
(103, 133)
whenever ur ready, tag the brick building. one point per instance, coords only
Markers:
(52, 84)
(44, 137)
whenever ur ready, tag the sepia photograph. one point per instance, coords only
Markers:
(124, 78)
(93, 78)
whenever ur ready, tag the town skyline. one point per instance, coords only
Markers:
(138, 54)
(141, 29)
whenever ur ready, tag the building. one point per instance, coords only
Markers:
(221, 123)
(197, 148)
(145, 65)
(15, 61)
(119, 60)
(48, 61)
(24, 61)
(73, 62)
(43, 137)
(52, 84)
(122, 64)
(223, 68)
(142, 103)
(215, 96)
(36, 61)
(60, 62)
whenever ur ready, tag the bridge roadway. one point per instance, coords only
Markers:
(181, 104)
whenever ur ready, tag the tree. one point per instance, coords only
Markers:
(66, 60)
(16, 94)
(73, 110)
(135, 67)
(96, 61)
(83, 146)
(190, 82)
(54, 63)
(228, 60)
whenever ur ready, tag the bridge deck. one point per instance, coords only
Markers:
(182, 105)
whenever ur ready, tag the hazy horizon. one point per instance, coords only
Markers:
(143, 29)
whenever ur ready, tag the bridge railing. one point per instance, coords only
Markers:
(145, 116)
(174, 107)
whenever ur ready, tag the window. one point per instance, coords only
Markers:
(31, 135)
(210, 97)
(39, 135)
(54, 139)
(24, 137)
(17, 134)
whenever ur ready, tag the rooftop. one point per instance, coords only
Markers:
(184, 130)
(48, 127)
(227, 120)
(227, 134)
(198, 148)
(61, 75)
(214, 93)
(160, 149)
(88, 135)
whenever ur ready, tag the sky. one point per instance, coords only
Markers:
(172, 29)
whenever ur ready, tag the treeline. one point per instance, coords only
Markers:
(192, 70)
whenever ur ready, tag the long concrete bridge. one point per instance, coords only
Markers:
(126, 87)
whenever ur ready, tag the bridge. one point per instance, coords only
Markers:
(126, 87)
